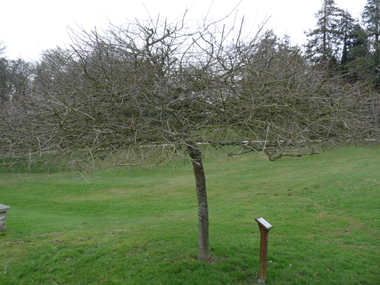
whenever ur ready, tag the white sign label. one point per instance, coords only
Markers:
(262, 221)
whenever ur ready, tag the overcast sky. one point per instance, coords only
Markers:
(27, 27)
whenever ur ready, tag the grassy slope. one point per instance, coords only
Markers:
(140, 227)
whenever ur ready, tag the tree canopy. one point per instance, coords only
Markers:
(154, 90)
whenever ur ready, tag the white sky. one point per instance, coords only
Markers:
(27, 27)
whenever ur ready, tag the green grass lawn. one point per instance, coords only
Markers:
(140, 226)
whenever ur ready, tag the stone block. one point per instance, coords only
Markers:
(3, 214)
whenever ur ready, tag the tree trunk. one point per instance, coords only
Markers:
(200, 181)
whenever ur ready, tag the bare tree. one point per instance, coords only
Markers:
(151, 90)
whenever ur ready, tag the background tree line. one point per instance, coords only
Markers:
(15, 77)
(349, 45)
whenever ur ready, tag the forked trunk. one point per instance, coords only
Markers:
(200, 182)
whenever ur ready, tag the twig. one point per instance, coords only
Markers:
(84, 178)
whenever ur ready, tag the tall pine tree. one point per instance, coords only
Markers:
(323, 43)
(371, 18)
(346, 28)
(357, 67)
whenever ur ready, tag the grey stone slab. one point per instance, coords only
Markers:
(4, 208)
(3, 227)
(3, 214)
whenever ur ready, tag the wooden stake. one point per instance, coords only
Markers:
(264, 227)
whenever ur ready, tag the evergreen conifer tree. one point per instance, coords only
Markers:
(323, 43)
(371, 18)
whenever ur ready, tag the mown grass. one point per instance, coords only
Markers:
(140, 226)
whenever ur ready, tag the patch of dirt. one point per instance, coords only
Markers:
(373, 180)
(50, 234)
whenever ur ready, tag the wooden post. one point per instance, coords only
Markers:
(264, 227)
